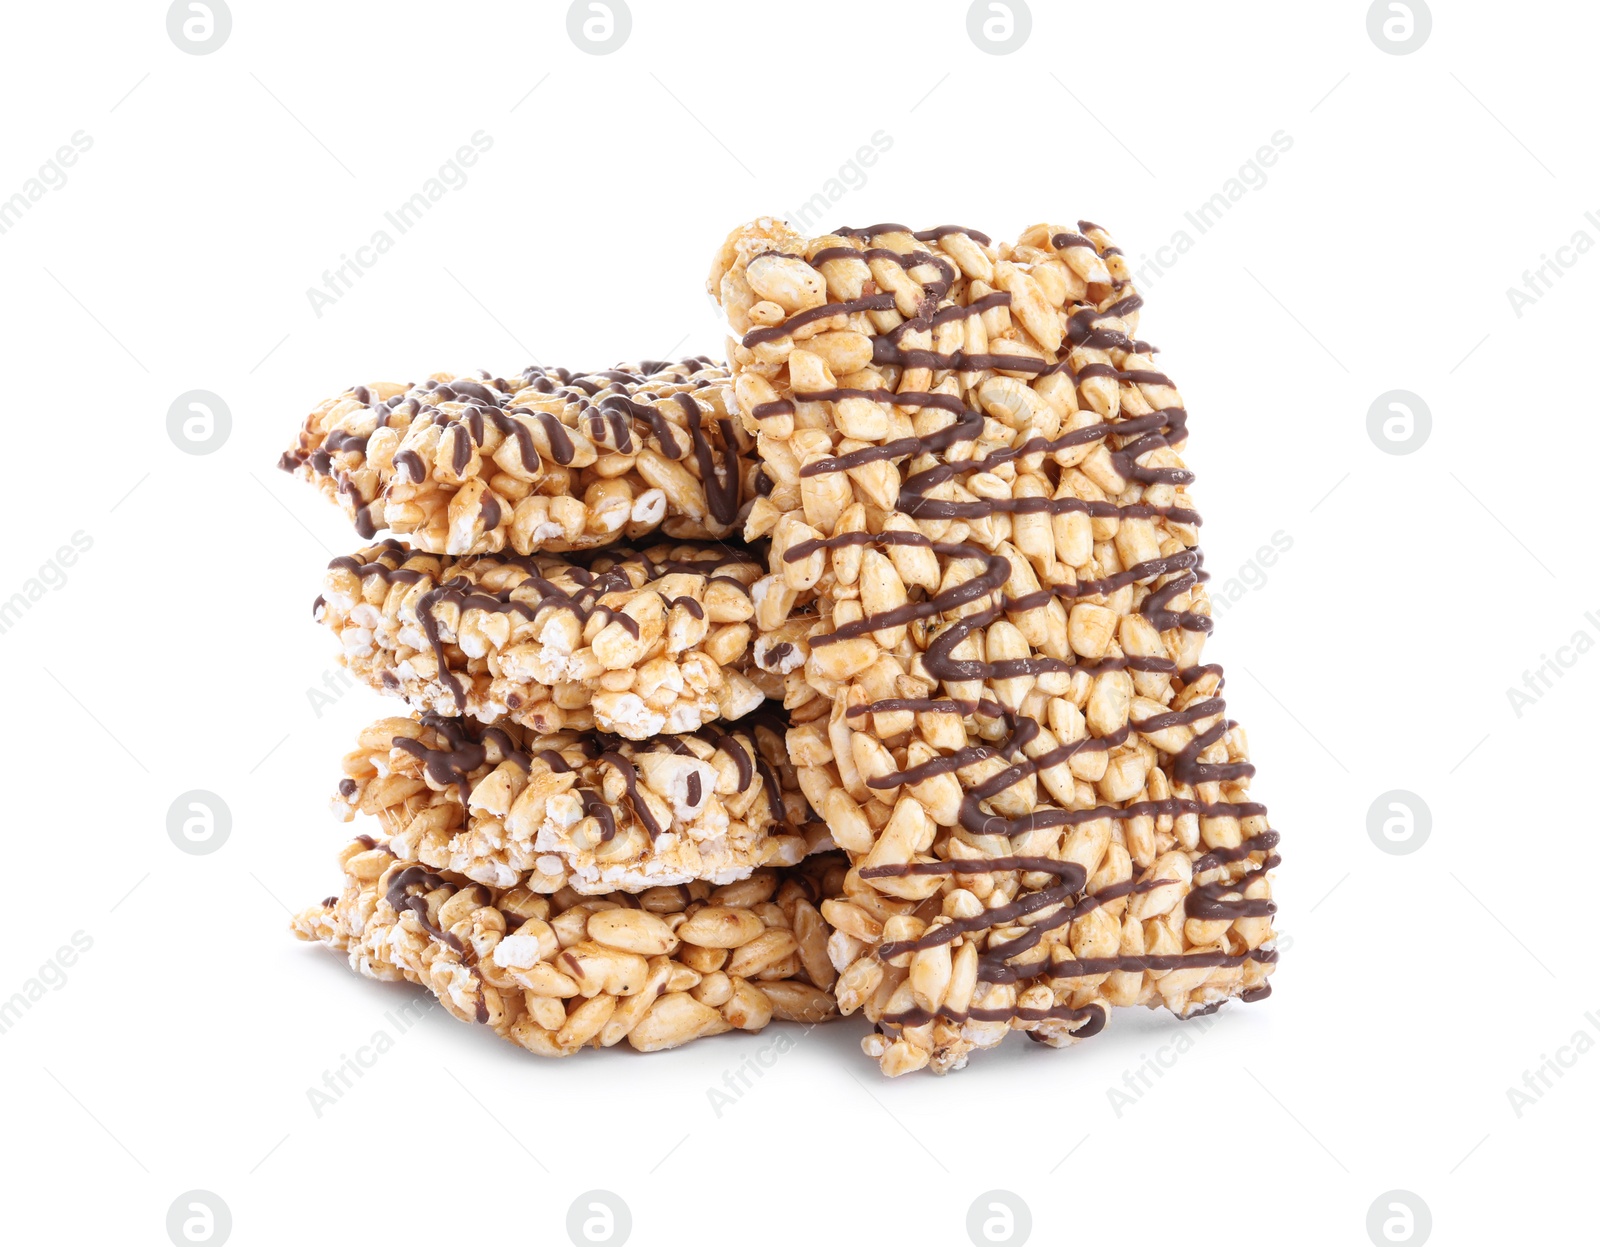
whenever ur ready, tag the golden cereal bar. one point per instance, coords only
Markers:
(993, 888)
(984, 572)
(634, 643)
(507, 808)
(548, 460)
(558, 973)
(938, 382)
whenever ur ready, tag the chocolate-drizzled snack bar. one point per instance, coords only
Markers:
(548, 460)
(976, 505)
(983, 609)
(583, 811)
(558, 973)
(634, 643)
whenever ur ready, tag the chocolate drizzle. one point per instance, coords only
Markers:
(617, 409)
(392, 563)
(401, 899)
(630, 781)
(958, 611)
(1180, 567)
(1087, 330)
(466, 751)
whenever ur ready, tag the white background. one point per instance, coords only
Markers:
(1376, 655)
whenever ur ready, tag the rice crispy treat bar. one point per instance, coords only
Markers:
(548, 460)
(985, 569)
(581, 811)
(561, 972)
(993, 889)
(634, 643)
